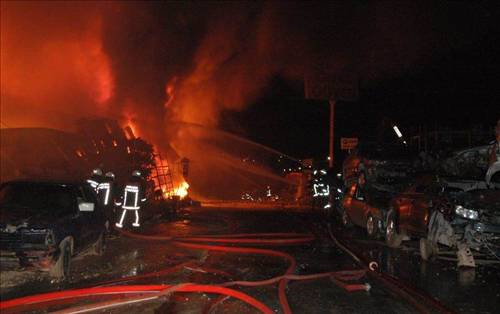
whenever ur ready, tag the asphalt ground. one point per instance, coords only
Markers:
(464, 291)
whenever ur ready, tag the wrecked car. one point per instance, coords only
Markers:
(379, 165)
(469, 163)
(44, 224)
(409, 212)
(374, 175)
(365, 207)
(470, 223)
(458, 214)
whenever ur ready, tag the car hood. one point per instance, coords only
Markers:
(17, 219)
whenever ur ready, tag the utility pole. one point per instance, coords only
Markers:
(321, 83)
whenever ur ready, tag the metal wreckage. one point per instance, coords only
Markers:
(470, 218)
(458, 206)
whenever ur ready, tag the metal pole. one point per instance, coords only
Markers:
(332, 116)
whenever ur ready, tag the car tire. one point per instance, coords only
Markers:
(99, 246)
(428, 249)
(371, 227)
(61, 269)
(393, 238)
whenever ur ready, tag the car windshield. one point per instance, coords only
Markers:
(28, 199)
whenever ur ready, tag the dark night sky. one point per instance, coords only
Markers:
(457, 88)
(240, 65)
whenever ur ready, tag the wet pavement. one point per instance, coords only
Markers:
(464, 289)
(161, 262)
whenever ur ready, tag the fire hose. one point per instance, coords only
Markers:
(154, 291)
(185, 242)
(404, 290)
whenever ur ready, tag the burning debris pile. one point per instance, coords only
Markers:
(56, 155)
(87, 65)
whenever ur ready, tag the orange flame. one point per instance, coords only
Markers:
(182, 190)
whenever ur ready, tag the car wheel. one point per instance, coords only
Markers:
(346, 221)
(392, 237)
(99, 245)
(371, 226)
(61, 268)
(427, 249)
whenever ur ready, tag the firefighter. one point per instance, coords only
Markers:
(95, 179)
(133, 196)
(106, 194)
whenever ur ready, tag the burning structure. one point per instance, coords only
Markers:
(53, 154)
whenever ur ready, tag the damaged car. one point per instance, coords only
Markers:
(44, 224)
(459, 214)
(470, 222)
(382, 166)
(366, 207)
(374, 175)
(471, 163)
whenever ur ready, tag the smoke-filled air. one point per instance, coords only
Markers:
(169, 69)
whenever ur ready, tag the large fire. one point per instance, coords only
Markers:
(182, 190)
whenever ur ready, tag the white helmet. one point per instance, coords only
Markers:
(97, 172)
(136, 173)
(110, 174)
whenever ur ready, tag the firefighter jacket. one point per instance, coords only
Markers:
(106, 192)
(94, 181)
(134, 194)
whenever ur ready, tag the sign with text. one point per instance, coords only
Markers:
(348, 143)
(319, 84)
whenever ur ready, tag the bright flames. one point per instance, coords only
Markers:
(182, 190)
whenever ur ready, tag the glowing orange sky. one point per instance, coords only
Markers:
(54, 68)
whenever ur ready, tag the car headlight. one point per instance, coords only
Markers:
(466, 213)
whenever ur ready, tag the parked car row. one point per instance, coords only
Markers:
(463, 214)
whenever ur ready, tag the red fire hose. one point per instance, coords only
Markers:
(156, 290)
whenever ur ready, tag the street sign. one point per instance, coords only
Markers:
(321, 85)
(348, 143)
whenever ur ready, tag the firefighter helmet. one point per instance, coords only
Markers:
(110, 175)
(97, 172)
(136, 173)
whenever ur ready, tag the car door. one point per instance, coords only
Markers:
(89, 233)
(358, 207)
(419, 209)
(402, 204)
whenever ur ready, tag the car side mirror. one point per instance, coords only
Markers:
(86, 207)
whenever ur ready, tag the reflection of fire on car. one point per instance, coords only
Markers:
(365, 207)
(43, 224)
(409, 212)
(373, 175)
(458, 214)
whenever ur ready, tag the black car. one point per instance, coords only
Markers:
(44, 224)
